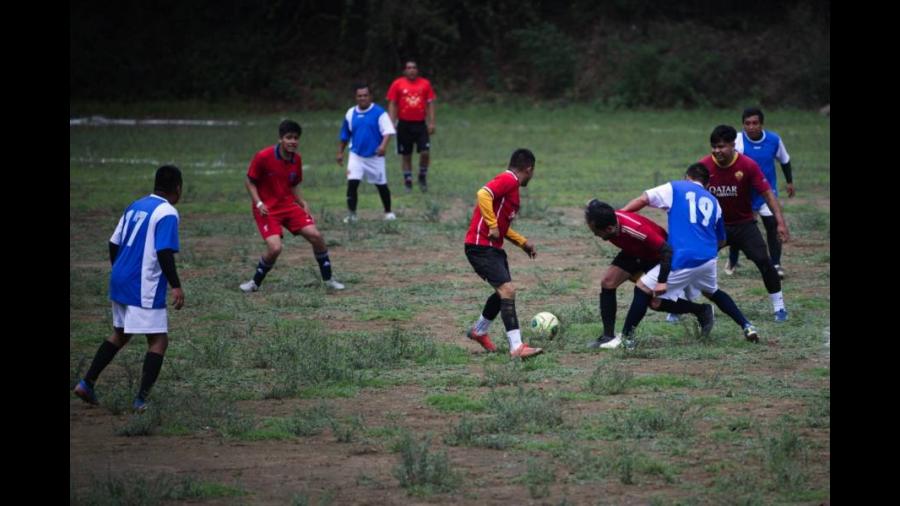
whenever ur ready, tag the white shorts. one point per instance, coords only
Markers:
(372, 167)
(685, 283)
(138, 320)
(764, 210)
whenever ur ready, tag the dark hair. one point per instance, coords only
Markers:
(360, 85)
(600, 214)
(521, 159)
(753, 111)
(288, 126)
(698, 172)
(168, 179)
(722, 133)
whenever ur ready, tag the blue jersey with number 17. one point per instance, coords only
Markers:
(695, 225)
(148, 225)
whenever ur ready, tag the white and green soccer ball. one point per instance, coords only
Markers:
(545, 324)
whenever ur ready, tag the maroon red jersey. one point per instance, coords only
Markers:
(505, 190)
(411, 97)
(275, 176)
(731, 185)
(639, 236)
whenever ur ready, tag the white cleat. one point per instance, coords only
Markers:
(249, 286)
(334, 284)
(351, 218)
(390, 216)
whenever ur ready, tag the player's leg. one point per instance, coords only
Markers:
(320, 251)
(507, 293)
(269, 227)
(423, 146)
(771, 226)
(732, 262)
(104, 355)
(753, 245)
(157, 344)
(726, 304)
(623, 268)
(352, 199)
(404, 149)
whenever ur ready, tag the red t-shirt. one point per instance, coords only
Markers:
(639, 236)
(505, 189)
(275, 177)
(411, 97)
(731, 185)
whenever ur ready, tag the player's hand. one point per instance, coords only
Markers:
(529, 249)
(178, 298)
(790, 189)
(302, 203)
(660, 289)
(783, 234)
(494, 234)
(379, 151)
(263, 210)
(340, 158)
(431, 129)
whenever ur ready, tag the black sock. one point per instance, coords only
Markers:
(423, 171)
(385, 193)
(608, 311)
(152, 364)
(102, 358)
(680, 306)
(771, 225)
(508, 313)
(733, 255)
(352, 194)
(407, 177)
(324, 265)
(261, 270)
(726, 304)
(636, 312)
(491, 307)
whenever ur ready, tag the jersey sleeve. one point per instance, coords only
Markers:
(660, 197)
(255, 170)
(739, 143)
(782, 154)
(429, 94)
(299, 169)
(486, 206)
(344, 136)
(166, 236)
(116, 237)
(385, 125)
(758, 180)
(720, 224)
(515, 237)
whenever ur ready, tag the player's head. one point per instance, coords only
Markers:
(522, 162)
(363, 95)
(411, 70)
(699, 173)
(722, 142)
(753, 119)
(289, 135)
(601, 219)
(168, 182)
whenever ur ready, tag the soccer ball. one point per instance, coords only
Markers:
(545, 324)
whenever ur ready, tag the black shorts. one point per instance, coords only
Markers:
(409, 133)
(489, 263)
(747, 238)
(632, 264)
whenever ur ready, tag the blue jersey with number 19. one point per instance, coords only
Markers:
(148, 225)
(695, 222)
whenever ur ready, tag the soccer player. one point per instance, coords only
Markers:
(411, 99)
(764, 147)
(642, 244)
(142, 253)
(497, 205)
(696, 232)
(273, 182)
(368, 129)
(732, 176)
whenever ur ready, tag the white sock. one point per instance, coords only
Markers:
(515, 339)
(777, 301)
(482, 325)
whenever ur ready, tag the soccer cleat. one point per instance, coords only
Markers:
(706, 319)
(781, 315)
(423, 185)
(390, 216)
(249, 286)
(407, 185)
(750, 334)
(484, 340)
(606, 342)
(629, 343)
(139, 405)
(673, 318)
(729, 269)
(525, 351)
(334, 284)
(351, 218)
(85, 392)
(780, 270)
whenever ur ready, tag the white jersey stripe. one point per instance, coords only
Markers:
(634, 233)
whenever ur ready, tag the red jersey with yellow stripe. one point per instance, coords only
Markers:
(504, 189)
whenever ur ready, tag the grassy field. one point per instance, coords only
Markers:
(373, 395)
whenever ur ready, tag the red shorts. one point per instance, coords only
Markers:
(292, 217)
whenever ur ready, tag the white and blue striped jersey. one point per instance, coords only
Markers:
(148, 225)
(695, 221)
(764, 152)
(366, 129)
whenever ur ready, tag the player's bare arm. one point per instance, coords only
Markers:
(382, 148)
(637, 204)
(298, 197)
(430, 111)
(254, 196)
(342, 145)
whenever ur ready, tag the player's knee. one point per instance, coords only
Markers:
(609, 283)
(507, 291)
